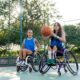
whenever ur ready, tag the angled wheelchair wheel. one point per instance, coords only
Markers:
(43, 67)
(71, 62)
(35, 62)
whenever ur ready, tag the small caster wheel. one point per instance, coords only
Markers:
(18, 68)
(30, 69)
(59, 73)
(65, 70)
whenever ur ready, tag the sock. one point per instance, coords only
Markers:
(49, 54)
(26, 60)
(17, 60)
(53, 54)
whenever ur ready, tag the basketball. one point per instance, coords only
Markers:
(46, 31)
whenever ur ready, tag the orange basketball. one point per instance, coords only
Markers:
(46, 31)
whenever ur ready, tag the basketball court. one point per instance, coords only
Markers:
(9, 73)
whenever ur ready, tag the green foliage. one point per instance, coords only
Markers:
(4, 8)
(9, 53)
(3, 37)
(73, 34)
(35, 14)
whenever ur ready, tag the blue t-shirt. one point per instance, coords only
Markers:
(29, 44)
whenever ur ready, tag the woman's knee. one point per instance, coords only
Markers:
(25, 51)
(29, 52)
(49, 48)
(55, 48)
(20, 52)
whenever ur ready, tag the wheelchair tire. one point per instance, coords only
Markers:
(43, 64)
(68, 64)
(35, 62)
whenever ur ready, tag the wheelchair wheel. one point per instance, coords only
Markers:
(71, 62)
(35, 62)
(43, 67)
(17, 68)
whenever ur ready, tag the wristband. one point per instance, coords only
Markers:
(56, 36)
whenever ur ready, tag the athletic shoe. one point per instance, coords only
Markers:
(18, 61)
(51, 62)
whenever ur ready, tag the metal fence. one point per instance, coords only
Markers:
(8, 61)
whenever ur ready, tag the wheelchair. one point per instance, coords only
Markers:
(32, 61)
(69, 62)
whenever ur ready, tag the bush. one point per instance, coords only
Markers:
(9, 53)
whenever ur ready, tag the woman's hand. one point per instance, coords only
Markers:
(36, 51)
(54, 35)
(45, 38)
(60, 38)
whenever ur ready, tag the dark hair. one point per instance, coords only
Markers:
(28, 29)
(60, 29)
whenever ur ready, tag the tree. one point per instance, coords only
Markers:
(73, 34)
(35, 14)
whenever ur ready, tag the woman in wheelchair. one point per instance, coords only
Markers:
(57, 39)
(28, 47)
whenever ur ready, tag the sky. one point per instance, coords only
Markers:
(69, 9)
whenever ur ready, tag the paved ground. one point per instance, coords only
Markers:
(9, 73)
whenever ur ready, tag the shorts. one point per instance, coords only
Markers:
(59, 46)
(57, 43)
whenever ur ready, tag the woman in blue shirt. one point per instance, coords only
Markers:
(28, 45)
